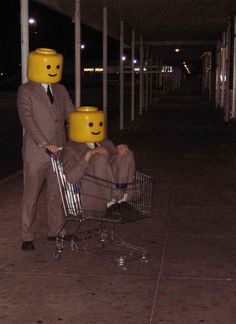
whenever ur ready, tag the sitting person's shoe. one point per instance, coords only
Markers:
(113, 212)
(129, 212)
(28, 246)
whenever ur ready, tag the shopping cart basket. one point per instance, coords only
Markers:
(102, 241)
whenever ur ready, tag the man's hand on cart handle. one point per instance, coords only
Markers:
(52, 149)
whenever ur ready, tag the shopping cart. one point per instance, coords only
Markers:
(102, 241)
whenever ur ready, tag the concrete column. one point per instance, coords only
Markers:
(24, 18)
(77, 54)
(105, 60)
(151, 80)
(121, 75)
(218, 69)
(222, 72)
(132, 75)
(234, 73)
(156, 81)
(160, 74)
(146, 77)
(227, 73)
(141, 78)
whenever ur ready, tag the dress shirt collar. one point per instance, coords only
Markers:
(45, 86)
(91, 145)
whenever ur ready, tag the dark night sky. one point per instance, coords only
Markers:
(52, 30)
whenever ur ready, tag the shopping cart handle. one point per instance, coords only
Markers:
(51, 153)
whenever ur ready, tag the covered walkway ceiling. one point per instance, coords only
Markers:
(191, 25)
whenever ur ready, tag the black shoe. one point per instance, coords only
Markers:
(28, 246)
(66, 237)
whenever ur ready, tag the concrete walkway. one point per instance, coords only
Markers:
(191, 274)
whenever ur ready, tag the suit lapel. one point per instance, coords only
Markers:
(56, 98)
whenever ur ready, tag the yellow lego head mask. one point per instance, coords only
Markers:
(45, 66)
(86, 125)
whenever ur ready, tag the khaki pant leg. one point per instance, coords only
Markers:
(123, 168)
(97, 194)
(55, 212)
(34, 175)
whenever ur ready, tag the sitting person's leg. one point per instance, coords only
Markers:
(96, 194)
(123, 168)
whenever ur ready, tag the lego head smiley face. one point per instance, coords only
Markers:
(45, 66)
(87, 124)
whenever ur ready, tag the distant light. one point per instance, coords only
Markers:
(134, 61)
(98, 69)
(167, 69)
(123, 58)
(186, 67)
(177, 50)
(82, 46)
(88, 69)
(32, 21)
(1, 73)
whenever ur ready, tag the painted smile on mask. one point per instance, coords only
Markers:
(91, 125)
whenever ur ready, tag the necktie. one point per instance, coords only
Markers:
(50, 96)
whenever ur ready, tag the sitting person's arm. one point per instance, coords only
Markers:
(96, 150)
(122, 149)
(76, 162)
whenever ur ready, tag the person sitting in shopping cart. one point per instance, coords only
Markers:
(89, 152)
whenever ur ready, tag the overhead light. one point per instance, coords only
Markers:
(32, 21)
(177, 50)
(82, 46)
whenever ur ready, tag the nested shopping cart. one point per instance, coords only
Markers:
(102, 241)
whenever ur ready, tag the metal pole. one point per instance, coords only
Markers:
(77, 54)
(156, 81)
(146, 77)
(121, 75)
(141, 78)
(160, 76)
(150, 80)
(223, 59)
(24, 16)
(217, 95)
(209, 75)
(105, 60)
(234, 73)
(132, 75)
(227, 72)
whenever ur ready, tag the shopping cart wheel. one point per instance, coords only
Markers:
(100, 243)
(144, 259)
(56, 255)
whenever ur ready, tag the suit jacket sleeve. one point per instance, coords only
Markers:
(24, 106)
(109, 146)
(74, 164)
(69, 107)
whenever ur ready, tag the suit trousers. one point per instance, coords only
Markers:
(35, 173)
(114, 169)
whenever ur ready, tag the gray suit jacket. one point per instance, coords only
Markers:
(42, 121)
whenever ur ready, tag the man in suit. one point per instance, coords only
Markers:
(89, 152)
(43, 107)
